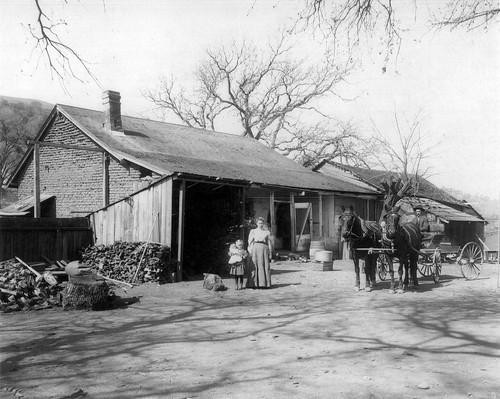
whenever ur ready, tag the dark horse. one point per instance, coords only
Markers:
(364, 234)
(406, 239)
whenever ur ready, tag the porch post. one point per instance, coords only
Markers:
(242, 213)
(180, 233)
(320, 216)
(36, 179)
(272, 228)
(105, 179)
(293, 221)
(271, 211)
(166, 213)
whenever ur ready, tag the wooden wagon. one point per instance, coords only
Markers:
(437, 250)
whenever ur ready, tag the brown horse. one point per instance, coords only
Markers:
(406, 240)
(361, 234)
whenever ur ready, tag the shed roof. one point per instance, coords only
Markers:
(372, 176)
(168, 149)
(332, 169)
(445, 213)
(23, 207)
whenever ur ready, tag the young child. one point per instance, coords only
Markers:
(238, 259)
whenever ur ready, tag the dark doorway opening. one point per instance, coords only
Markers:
(283, 226)
(212, 221)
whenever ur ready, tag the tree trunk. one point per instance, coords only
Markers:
(86, 294)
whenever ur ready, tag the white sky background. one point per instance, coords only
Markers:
(453, 79)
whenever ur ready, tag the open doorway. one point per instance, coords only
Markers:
(283, 226)
(212, 222)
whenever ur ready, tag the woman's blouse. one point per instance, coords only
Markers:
(258, 235)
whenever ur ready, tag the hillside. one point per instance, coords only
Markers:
(28, 102)
(20, 120)
(32, 113)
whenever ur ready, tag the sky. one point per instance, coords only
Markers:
(450, 79)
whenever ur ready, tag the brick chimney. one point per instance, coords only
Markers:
(112, 112)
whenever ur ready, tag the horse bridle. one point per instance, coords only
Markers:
(355, 237)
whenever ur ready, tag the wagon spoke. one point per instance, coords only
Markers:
(473, 253)
(424, 267)
(470, 260)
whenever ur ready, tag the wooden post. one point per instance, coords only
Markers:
(272, 212)
(36, 179)
(293, 221)
(242, 215)
(166, 213)
(105, 179)
(272, 227)
(320, 215)
(180, 236)
(311, 224)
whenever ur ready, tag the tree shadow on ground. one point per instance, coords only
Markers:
(80, 341)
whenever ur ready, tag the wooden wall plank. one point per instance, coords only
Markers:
(146, 215)
(118, 231)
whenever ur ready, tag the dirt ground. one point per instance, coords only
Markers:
(310, 336)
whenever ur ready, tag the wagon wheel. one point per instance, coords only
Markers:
(424, 266)
(383, 266)
(436, 265)
(470, 260)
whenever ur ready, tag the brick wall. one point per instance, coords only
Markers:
(75, 177)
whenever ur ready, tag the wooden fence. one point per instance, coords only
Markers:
(31, 239)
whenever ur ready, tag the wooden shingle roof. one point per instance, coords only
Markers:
(445, 213)
(426, 188)
(168, 148)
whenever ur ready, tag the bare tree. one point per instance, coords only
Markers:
(13, 135)
(470, 14)
(325, 141)
(61, 59)
(407, 155)
(196, 109)
(268, 93)
(353, 21)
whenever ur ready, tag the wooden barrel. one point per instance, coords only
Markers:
(316, 246)
(323, 256)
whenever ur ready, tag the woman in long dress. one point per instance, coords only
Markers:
(259, 246)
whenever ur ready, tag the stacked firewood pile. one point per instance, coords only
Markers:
(23, 289)
(133, 262)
